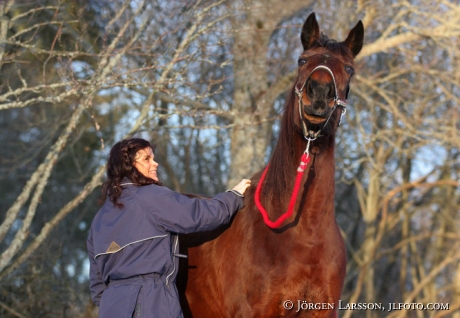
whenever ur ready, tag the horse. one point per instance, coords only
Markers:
(283, 254)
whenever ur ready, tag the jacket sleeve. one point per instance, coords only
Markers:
(96, 285)
(178, 213)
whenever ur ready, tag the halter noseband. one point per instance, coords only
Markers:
(310, 134)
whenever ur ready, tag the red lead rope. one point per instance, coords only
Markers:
(303, 164)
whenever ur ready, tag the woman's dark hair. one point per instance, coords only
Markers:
(120, 165)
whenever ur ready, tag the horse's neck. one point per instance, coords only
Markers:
(317, 186)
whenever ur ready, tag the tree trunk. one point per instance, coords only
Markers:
(252, 102)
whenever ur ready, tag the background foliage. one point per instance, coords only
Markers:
(205, 81)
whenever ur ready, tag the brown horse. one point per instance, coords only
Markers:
(269, 263)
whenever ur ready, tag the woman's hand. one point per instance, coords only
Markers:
(242, 186)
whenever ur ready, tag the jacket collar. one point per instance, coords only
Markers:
(126, 182)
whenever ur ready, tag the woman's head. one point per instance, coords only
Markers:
(133, 159)
(145, 163)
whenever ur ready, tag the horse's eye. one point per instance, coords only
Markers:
(302, 62)
(350, 70)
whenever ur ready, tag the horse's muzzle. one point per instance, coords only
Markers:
(320, 112)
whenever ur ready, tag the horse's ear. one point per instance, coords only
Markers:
(310, 31)
(355, 39)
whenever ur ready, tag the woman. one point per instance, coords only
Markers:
(133, 244)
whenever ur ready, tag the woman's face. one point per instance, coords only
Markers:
(145, 163)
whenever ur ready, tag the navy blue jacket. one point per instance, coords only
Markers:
(132, 250)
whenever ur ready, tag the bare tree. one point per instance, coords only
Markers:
(403, 120)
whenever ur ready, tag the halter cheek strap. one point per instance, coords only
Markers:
(310, 134)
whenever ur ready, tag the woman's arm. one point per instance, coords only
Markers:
(178, 213)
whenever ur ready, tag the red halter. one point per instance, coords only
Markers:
(304, 160)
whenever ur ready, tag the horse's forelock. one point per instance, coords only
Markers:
(332, 45)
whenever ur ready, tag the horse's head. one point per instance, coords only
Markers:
(325, 71)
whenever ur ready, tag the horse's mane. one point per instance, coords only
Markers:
(281, 172)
